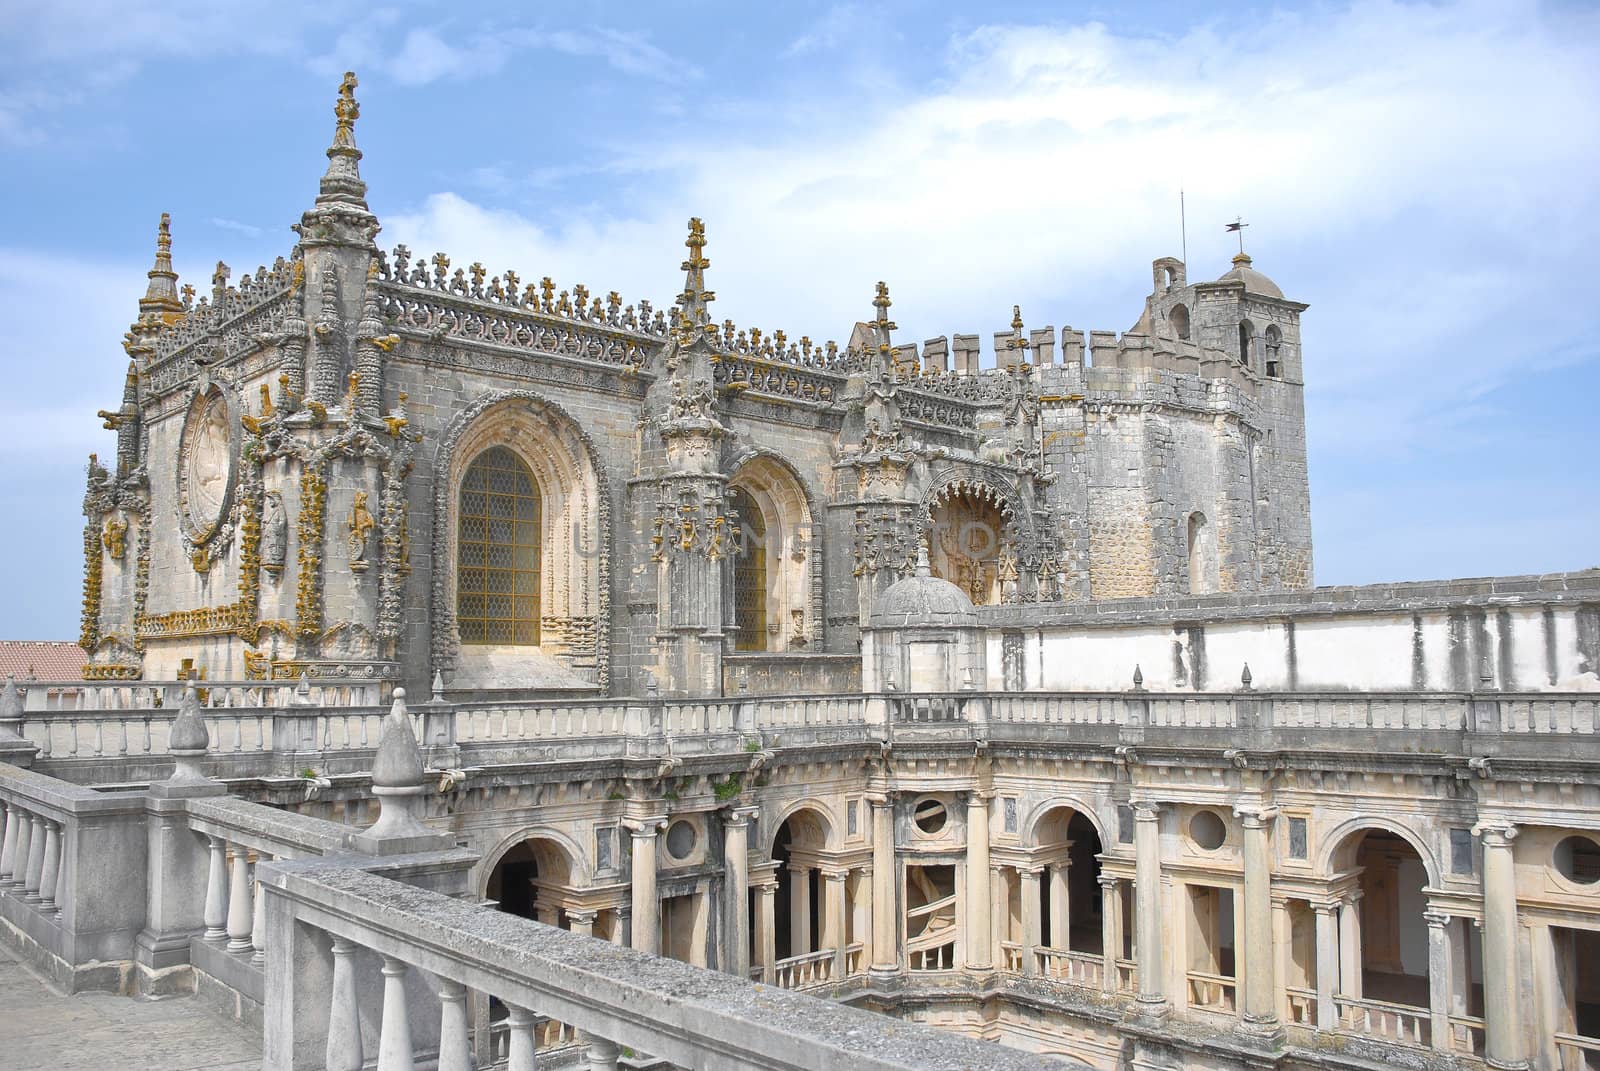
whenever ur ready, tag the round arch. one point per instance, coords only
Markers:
(576, 865)
(793, 549)
(1342, 838)
(974, 535)
(1030, 828)
(576, 522)
(824, 822)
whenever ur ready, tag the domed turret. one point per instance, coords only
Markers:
(1254, 282)
(922, 600)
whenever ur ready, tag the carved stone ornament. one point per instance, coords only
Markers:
(207, 460)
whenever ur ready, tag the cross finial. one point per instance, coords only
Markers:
(1237, 227)
(346, 110)
(1017, 342)
(695, 296)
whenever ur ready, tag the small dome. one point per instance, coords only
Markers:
(922, 599)
(1254, 282)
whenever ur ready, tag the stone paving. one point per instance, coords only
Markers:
(42, 1028)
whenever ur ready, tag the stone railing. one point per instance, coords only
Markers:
(1381, 1019)
(346, 945)
(1212, 992)
(146, 695)
(1577, 1052)
(1085, 969)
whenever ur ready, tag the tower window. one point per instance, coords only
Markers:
(1178, 317)
(1247, 334)
(498, 548)
(1273, 339)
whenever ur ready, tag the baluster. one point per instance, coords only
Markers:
(519, 1026)
(59, 893)
(122, 736)
(52, 864)
(10, 813)
(344, 1013)
(455, 1054)
(394, 1035)
(72, 727)
(30, 882)
(258, 916)
(240, 912)
(145, 724)
(238, 734)
(216, 909)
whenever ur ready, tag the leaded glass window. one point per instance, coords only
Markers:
(498, 551)
(750, 575)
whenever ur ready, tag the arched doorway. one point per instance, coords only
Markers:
(1069, 890)
(1384, 935)
(532, 880)
(798, 906)
(968, 543)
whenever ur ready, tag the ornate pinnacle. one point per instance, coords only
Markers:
(160, 301)
(884, 325)
(1018, 342)
(695, 296)
(342, 181)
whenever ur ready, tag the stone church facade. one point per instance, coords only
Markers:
(993, 698)
(388, 464)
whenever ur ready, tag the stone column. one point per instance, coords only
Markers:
(455, 1052)
(1060, 906)
(1110, 931)
(1327, 964)
(833, 908)
(581, 922)
(1502, 997)
(885, 904)
(1259, 980)
(799, 910)
(1350, 946)
(344, 1052)
(1147, 887)
(646, 902)
(1030, 917)
(736, 856)
(980, 954)
(1438, 978)
(622, 929)
(766, 923)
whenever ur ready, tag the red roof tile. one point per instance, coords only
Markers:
(41, 660)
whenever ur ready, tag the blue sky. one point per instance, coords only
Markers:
(1422, 174)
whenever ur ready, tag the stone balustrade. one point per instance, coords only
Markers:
(362, 966)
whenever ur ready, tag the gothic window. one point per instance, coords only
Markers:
(1179, 318)
(499, 551)
(750, 574)
(1247, 334)
(1273, 339)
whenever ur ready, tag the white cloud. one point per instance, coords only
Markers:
(1421, 174)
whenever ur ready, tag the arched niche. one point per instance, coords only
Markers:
(782, 539)
(972, 539)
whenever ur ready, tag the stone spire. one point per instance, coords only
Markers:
(342, 182)
(881, 322)
(340, 216)
(695, 296)
(161, 297)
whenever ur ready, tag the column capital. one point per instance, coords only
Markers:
(885, 798)
(1329, 908)
(1495, 832)
(766, 888)
(1108, 881)
(1254, 815)
(979, 797)
(835, 875)
(1031, 871)
(739, 816)
(1145, 810)
(581, 917)
(1436, 919)
(645, 828)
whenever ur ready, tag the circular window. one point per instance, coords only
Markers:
(681, 839)
(1208, 830)
(930, 816)
(1578, 860)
